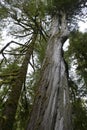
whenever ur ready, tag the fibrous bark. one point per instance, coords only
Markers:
(51, 109)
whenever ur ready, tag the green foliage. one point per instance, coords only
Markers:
(79, 115)
(73, 88)
(7, 75)
(77, 50)
(34, 8)
(3, 12)
(70, 7)
(78, 55)
(9, 72)
(40, 50)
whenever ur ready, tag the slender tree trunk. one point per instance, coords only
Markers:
(51, 110)
(11, 105)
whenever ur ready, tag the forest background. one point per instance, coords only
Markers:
(28, 24)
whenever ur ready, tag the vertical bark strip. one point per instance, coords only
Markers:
(51, 109)
(11, 105)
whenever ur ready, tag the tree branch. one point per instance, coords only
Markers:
(1, 51)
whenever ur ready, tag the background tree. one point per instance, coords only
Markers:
(31, 26)
(76, 56)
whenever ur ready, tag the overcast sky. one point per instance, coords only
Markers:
(82, 26)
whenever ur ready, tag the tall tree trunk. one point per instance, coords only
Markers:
(51, 110)
(11, 105)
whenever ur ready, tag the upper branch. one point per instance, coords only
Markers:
(1, 51)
